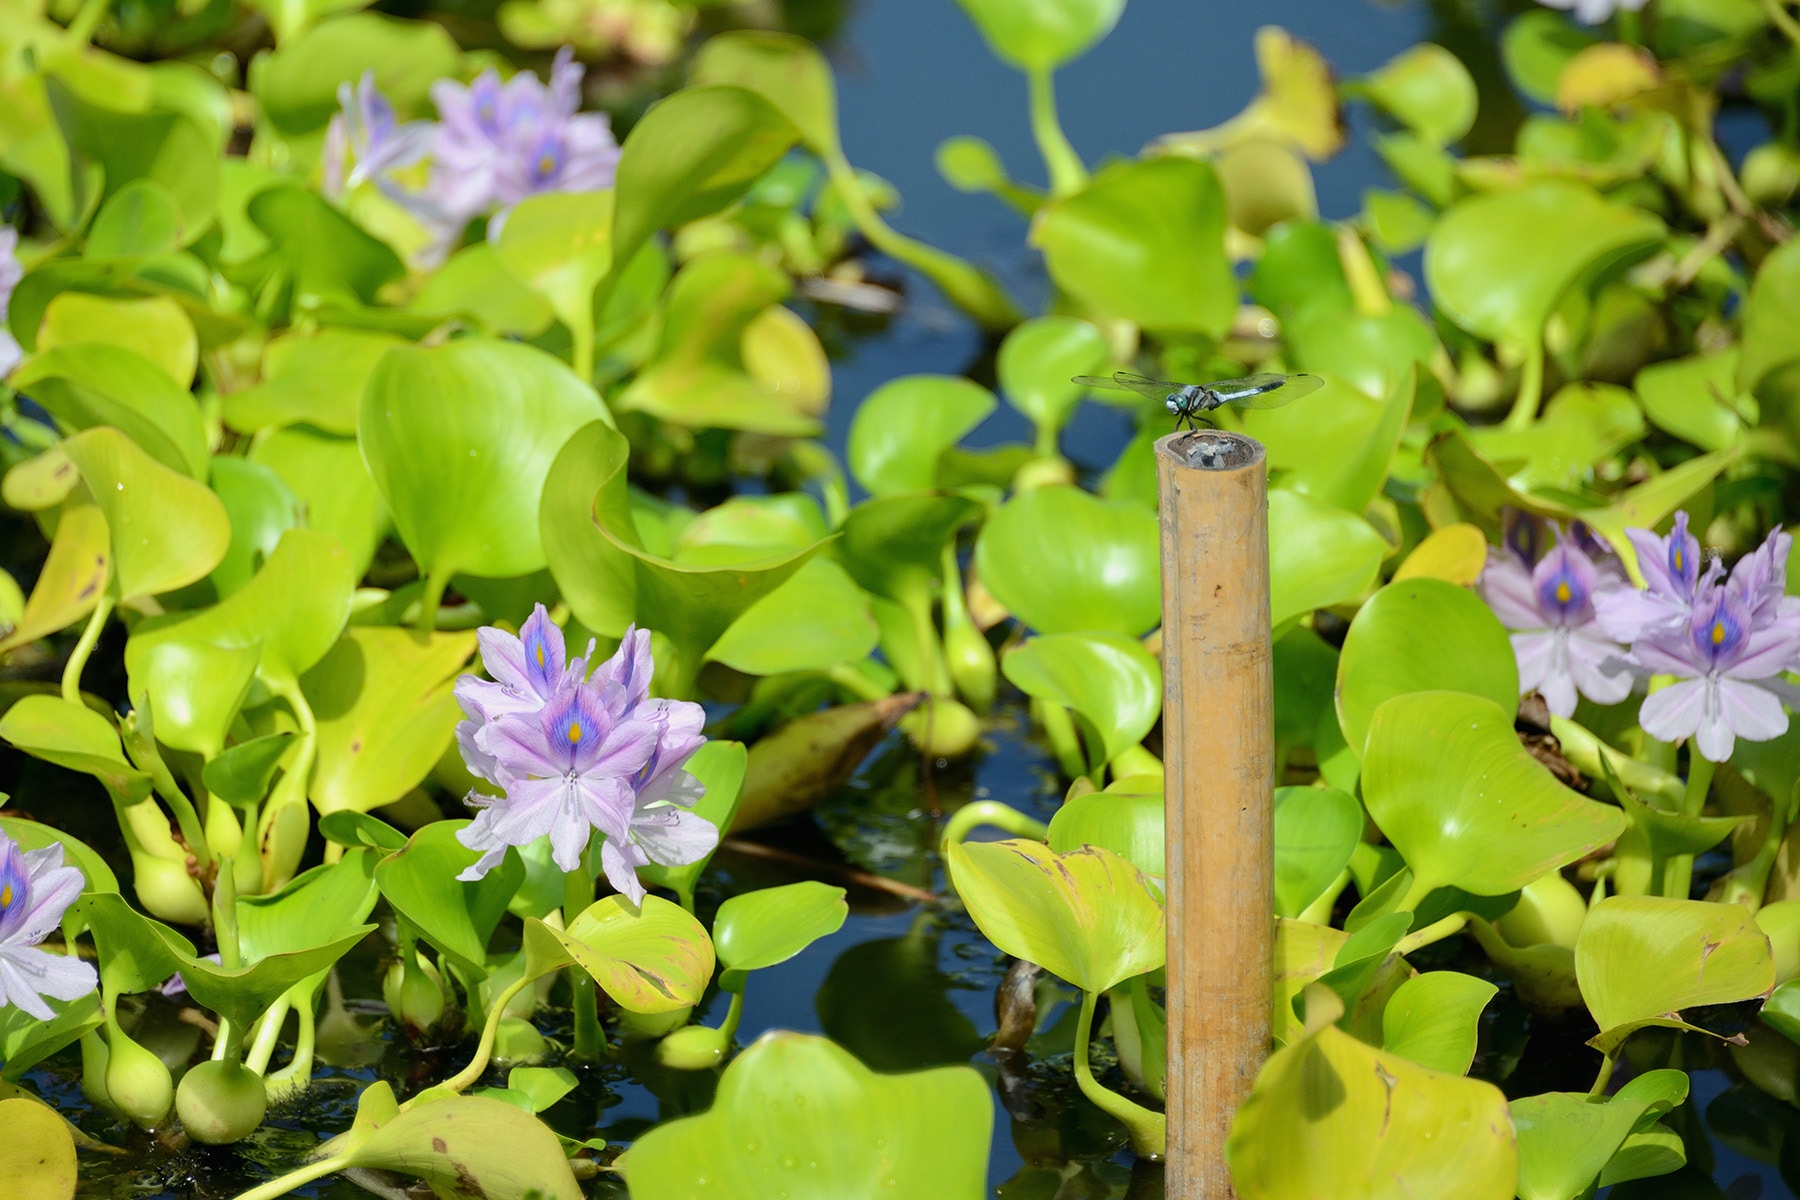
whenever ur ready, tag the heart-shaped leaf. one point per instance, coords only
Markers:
(1109, 679)
(1432, 1019)
(903, 427)
(758, 929)
(458, 918)
(167, 530)
(1319, 555)
(1316, 830)
(1064, 561)
(1566, 1138)
(1126, 818)
(655, 959)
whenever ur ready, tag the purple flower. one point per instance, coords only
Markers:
(11, 271)
(35, 890)
(499, 143)
(576, 754)
(1558, 642)
(365, 137)
(1718, 656)
(1671, 567)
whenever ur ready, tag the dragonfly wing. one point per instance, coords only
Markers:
(1266, 391)
(1129, 381)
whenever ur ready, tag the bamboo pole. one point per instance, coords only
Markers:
(1218, 740)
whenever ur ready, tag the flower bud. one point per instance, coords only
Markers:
(136, 1080)
(220, 1102)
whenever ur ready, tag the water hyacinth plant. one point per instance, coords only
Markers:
(476, 719)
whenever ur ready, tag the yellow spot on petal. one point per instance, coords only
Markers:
(1718, 635)
(6, 896)
(574, 732)
(546, 164)
(540, 654)
(1562, 592)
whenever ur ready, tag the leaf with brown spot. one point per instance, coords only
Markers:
(72, 579)
(652, 960)
(474, 1147)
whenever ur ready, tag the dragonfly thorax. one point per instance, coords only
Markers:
(1188, 401)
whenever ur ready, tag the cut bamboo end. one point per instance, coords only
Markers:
(1218, 739)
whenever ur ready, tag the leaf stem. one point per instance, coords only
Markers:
(1778, 17)
(435, 583)
(1607, 1064)
(1531, 386)
(71, 676)
(285, 1186)
(1148, 1129)
(578, 894)
(1067, 173)
(485, 1050)
(1678, 876)
(992, 812)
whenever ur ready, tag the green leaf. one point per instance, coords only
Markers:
(386, 713)
(1331, 1116)
(1064, 561)
(325, 899)
(610, 580)
(654, 959)
(799, 1114)
(29, 835)
(1038, 361)
(1433, 1020)
(1446, 779)
(477, 285)
(140, 220)
(26, 1041)
(472, 1145)
(37, 1159)
(241, 775)
(692, 154)
(758, 929)
(893, 545)
(1037, 35)
(1337, 444)
(458, 918)
(155, 327)
(76, 737)
(1497, 263)
(1087, 916)
(316, 379)
(1316, 830)
(1126, 818)
(1566, 1139)
(1319, 555)
(1428, 89)
(1694, 398)
(1383, 656)
(719, 766)
(167, 530)
(1769, 315)
(903, 427)
(460, 438)
(1536, 47)
(329, 257)
(329, 477)
(260, 508)
(165, 147)
(1583, 425)
(347, 827)
(1145, 242)
(1107, 678)
(96, 383)
(73, 577)
(296, 86)
(1640, 960)
(815, 620)
(561, 247)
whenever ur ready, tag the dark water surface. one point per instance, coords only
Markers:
(901, 985)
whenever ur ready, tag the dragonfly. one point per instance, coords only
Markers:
(1190, 402)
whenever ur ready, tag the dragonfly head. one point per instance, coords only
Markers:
(1173, 403)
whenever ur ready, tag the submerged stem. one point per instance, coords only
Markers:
(1149, 1130)
(71, 677)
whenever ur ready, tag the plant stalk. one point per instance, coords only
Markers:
(71, 676)
(1678, 876)
(1148, 1129)
(578, 894)
(485, 1050)
(1067, 173)
(1531, 387)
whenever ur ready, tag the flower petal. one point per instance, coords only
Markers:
(1674, 712)
(674, 837)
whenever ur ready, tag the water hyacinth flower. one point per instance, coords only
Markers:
(11, 271)
(1561, 648)
(1671, 569)
(35, 891)
(365, 142)
(1592, 12)
(575, 754)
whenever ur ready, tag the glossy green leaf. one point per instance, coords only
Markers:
(610, 580)
(477, 285)
(1087, 916)
(1037, 362)
(815, 620)
(141, 219)
(241, 775)
(1337, 444)
(1581, 426)
(692, 154)
(166, 147)
(30, 835)
(1498, 263)
(26, 1041)
(1640, 960)
(155, 327)
(1316, 829)
(1036, 35)
(297, 85)
(561, 247)
(1319, 555)
(1535, 48)
(1384, 657)
(97, 383)
(800, 1114)
(348, 827)
(1566, 1139)
(1694, 398)
(1428, 89)
(458, 918)
(167, 530)
(1433, 1020)
(758, 929)
(1126, 818)
(1332, 1116)
(315, 903)
(1145, 242)
(1446, 779)
(719, 766)
(474, 1145)
(893, 546)
(460, 439)
(1108, 679)
(1064, 561)
(76, 737)
(1769, 315)
(903, 427)
(315, 379)
(385, 709)
(330, 257)
(260, 507)
(330, 478)
(653, 959)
